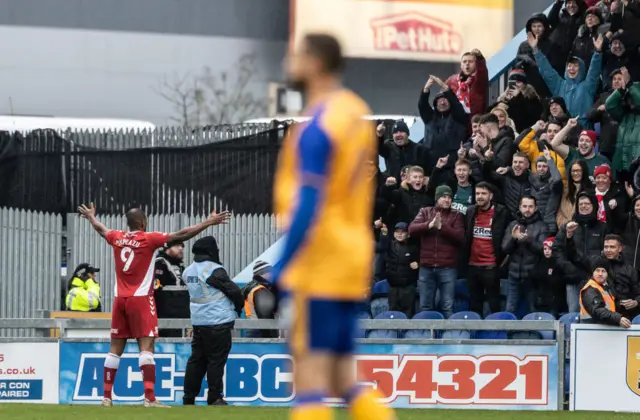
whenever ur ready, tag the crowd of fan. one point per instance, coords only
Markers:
(534, 188)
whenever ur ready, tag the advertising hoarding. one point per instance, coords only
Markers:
(427, 30)
(408, 376)
(29, 372)
(605, 377)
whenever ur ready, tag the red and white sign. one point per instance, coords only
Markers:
(458, 379)
(429, 30)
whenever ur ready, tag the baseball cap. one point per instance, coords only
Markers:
(85, 268)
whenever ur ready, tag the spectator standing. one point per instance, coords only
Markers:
(538, 24)
(524, 104)
(534, 149)
(445, 123)
(577, 243)
(578, 87)
(597, 303)
(587, 34)
(612, 200)
(460, 183)
(625, 18)
(441, 233)
(259, 300)
(171, 294)
(599, 114)
(547, 188)
(523, 243)
(475, 147)
(471, 84)
(623, 278)
(409, 198)
(565, 23)
(547, 283)
(499, 141)
(83, 290)
(631, 232)
(501, 111)
(399, 151)
(585, 150)
(624, 106)
(514, 181)
(485, 225)
(618, 56)
(401, 259)
(558, 113)
(578, 181)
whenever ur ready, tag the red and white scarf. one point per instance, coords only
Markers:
(464, 91)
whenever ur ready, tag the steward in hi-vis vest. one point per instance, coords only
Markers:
(597, 303)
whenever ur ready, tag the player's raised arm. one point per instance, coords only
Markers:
(89, 213)
(191, 231)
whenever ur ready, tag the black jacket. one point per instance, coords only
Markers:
(593, 303)
(381, 199)
(524, 255)
(565, 27)
(583, 47)
(525, 59)
(171, 302)
(503, 147)
(525, 109)
(206, 249)
(406, 204)
(629, 59)
(398, 257)
(547, 190)
(623, 279)
(574, 254)
(443, 132)
(501, 218)
(397, 157)
(631, 238)
(617, 217)
(548, 285)
(608, 126)
(513, 187)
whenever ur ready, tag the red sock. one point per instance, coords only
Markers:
(109, 377)
(149, 379)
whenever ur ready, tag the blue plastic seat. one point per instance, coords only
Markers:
(389, 334)
(636, 320)
(542, 316)
(424, 333)
(496, 335)
(380, 304)
(567, 320)
(461, 334)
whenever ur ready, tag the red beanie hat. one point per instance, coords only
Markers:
(591, 134)
(602, 170)
(549, 241)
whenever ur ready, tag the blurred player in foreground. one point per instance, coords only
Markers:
(134, 310)
(324, 195)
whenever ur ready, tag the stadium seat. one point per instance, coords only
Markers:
(387, 333)
(379, 298)
(424, 333)
(461, 298)
(567, 320)
(360, 333)
(496, 335)
(461, 334)
(636, 320)
(542, 316)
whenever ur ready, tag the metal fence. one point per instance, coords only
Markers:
(30, 253)
(240, 242)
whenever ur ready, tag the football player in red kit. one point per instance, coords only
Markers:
(134, 310)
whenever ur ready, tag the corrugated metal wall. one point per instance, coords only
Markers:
(30, 260)
(240, 241)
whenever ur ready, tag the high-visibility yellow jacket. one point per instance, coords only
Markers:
(84, 295)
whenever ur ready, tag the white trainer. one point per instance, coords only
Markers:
(106, 402)
(156, 404)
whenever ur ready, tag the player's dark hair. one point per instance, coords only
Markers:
(489, 119)
(613, 237)
(136, 219)
(327, 49)
(529, 197)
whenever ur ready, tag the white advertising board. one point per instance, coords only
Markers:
(427, 30)
(29, 372)
(605, 368)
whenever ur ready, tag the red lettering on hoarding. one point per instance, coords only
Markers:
(457, 379)
(415, 32)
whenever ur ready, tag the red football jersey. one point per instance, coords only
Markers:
(135, 254)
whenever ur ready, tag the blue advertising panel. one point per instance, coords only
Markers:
(408, 376)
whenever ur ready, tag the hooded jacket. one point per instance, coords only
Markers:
(583, 44)
(443, 131)
(398, 257)
(547, 190)
(630, 59)
(574, 254)
(579, 92)
(206, 249)
(524, 255)
(628, 140)
(565, 26)
(526, 61)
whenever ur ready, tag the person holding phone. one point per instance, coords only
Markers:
(525, 105)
